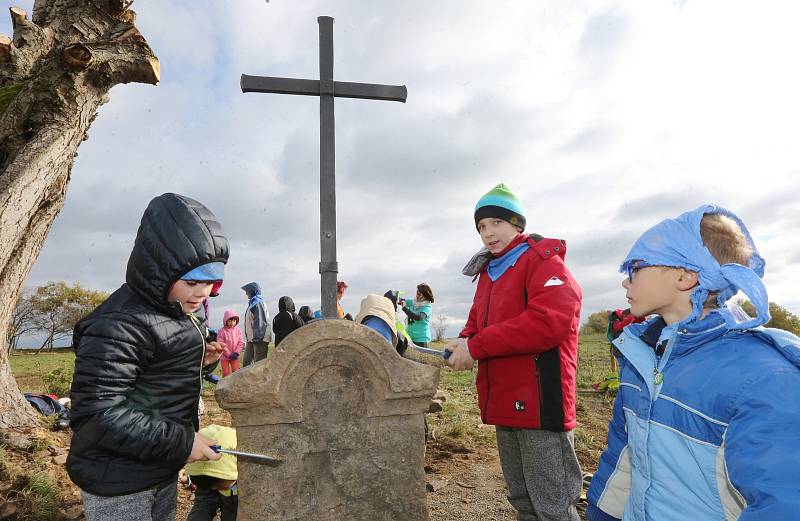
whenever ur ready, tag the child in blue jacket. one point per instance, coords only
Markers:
(707, 415)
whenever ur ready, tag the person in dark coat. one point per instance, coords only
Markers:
(139, 359)
(305, 314)
(286, 320)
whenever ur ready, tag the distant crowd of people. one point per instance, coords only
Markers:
(398, 320)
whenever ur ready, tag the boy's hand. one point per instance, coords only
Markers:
(460, 359)
(201, 449)
(214, 350)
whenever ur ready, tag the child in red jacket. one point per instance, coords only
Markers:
(523, 331)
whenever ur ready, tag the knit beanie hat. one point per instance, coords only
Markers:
(500, 202)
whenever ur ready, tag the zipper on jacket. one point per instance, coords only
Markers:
(488, 362)
(194, 322)
(538, 385)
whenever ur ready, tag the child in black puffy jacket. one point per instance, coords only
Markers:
(138, 364)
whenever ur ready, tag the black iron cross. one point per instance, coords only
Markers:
(326, 89)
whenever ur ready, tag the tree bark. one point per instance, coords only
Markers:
(55, 72)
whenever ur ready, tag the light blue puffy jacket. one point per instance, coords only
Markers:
(708, 431)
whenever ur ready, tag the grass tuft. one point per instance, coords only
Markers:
(34, 492)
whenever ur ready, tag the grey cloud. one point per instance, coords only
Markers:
(654, 208)
(601, 247)
(592, 139)
(778, 208)
(444, 150)
(601, 43)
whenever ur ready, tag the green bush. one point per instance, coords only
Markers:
(595, 323)
(782, 318)
(57, 381)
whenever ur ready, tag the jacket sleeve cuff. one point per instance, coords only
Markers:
(595, 514)
(186, 450)
(475, 349)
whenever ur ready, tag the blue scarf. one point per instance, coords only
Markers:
(255, 299)
(677, 243)
(499, 265)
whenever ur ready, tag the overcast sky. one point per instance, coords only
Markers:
(603, 116)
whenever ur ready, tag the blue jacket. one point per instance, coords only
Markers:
(710, 430)
(256, 317)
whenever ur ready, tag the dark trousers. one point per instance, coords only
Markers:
(254, 351)
(208, 501)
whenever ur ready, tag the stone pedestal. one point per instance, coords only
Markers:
(345, 413)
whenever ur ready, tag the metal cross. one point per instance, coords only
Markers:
(326, 89)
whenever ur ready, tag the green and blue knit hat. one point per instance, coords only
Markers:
(500, 202)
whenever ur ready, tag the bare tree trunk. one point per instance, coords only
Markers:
(47, 342)
(57, 71)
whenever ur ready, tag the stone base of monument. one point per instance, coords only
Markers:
(345, 412)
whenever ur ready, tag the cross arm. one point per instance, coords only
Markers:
(279, 85)
(341, 89)
(347, 89)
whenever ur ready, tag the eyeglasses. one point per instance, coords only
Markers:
(633, 267)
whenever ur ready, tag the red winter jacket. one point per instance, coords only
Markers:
(523, 330)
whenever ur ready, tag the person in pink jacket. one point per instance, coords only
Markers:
(233, 339)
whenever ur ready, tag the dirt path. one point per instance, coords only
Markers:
(467, 483)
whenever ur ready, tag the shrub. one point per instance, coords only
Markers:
(58, 381)
(597, 322)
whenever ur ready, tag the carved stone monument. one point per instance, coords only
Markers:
(344, 412)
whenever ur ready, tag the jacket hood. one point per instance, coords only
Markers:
(252, 289)
(380, 307)
(305, 313)
(285, 304)
(176, 235)
(229, 314)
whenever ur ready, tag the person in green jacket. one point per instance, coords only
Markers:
(419, 312)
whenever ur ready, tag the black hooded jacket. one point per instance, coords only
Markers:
(138, 358)
(286, 320)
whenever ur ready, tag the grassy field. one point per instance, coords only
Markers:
(459, 420)
(594, 364)
(31, 370)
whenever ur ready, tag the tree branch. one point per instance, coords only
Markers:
(29, 43)
(25, 32)
(125, 60)
(5, 48)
